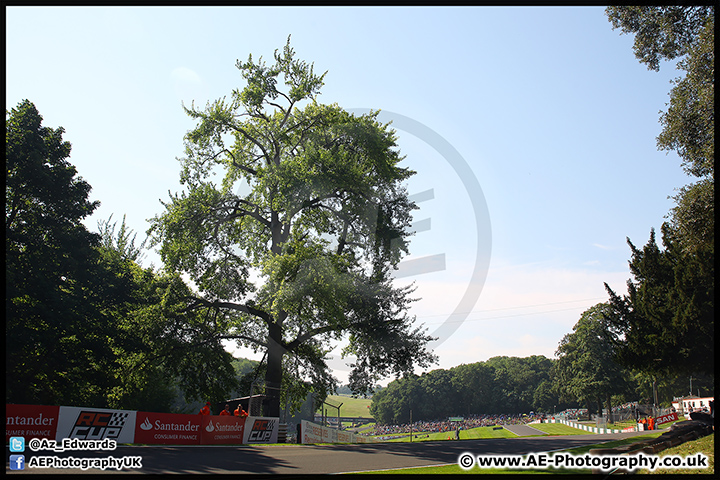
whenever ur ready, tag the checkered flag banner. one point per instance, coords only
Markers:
(118, 419)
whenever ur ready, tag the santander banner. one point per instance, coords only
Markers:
(31, 421)
(216, 429)
(167, 428)
(670, 417)
(125, 426)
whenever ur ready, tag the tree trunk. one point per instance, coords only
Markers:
(609, 408)
(274, 372)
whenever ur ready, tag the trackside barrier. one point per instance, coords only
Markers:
(30, 421)
(96, 424)
(314, 433)
(669, 417)
(125, 426)
(590, 429)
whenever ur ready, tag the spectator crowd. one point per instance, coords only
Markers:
(572, 413)
(625, 407)
(472, 421)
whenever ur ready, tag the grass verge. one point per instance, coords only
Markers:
(705, 445)
(557, 429)
(473, 433)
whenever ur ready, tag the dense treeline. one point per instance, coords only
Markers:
(512, 385)
(499, 385)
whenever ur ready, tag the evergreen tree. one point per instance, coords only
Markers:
(54, 348)
(667, 319)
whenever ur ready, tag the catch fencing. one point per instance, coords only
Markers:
(313, 433)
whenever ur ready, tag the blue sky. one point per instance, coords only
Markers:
(547, 107)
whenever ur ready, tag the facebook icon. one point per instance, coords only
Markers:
(17, 462)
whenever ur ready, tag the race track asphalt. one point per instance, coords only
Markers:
(290, 460)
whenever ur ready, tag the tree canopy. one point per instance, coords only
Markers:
(49, 257)
(586, 370)
(667, 320)
(295, 246)
(662, 32)
(508, 385)
(85, 324)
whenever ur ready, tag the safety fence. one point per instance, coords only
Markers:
(314, 433)
(125, 426)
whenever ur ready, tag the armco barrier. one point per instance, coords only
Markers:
(670, 417)
(126, 426)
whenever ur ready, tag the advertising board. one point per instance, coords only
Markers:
(670, 417)
(311, 433)
(96, 424)
(125, 426)
(216, 430)
(31, 421)
(167, 428)
(261, 430)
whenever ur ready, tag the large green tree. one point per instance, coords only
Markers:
(295, 245)
(685, 34)
(677, 323)
(586, 369)
(156, 345)
(85, 324)
(667, 318)
(53, 349)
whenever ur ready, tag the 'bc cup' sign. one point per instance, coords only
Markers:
(483, 231)
(96, 424)
(261, 430)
